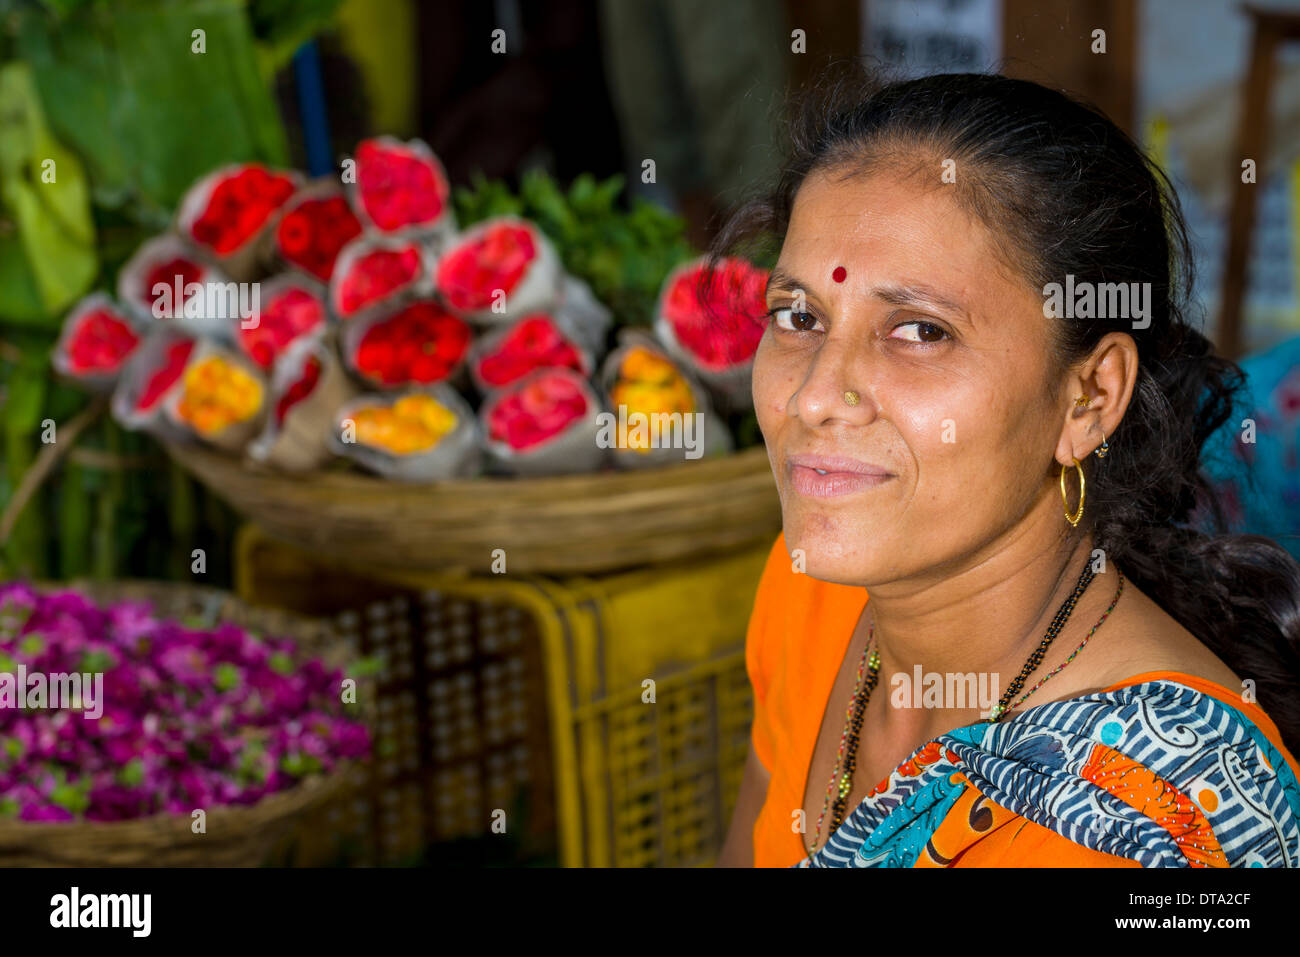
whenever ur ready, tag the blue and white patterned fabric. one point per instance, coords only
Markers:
(1156, 772)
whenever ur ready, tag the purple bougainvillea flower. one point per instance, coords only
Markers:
(191, 717)
(44, 812)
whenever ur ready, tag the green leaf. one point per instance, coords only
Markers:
(71, 796)
(121, 86)
(53, 218)
(26, 399)
(62, 8)
(97, 661)
(299, 764)
(226, 676)
(365, 667)
(20, 298)
(132, 773)
(282, 26)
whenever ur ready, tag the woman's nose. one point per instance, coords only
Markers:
(835, 369)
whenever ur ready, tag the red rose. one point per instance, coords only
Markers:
(100, 342)
(290, 313)
(720, 323)
(536, 411)
(240, 204)
(397, 186)
(166, 273)
(312, 232)
(377, 274)
(471, 272)
(420, 343)
(532, 343)
(175, 358)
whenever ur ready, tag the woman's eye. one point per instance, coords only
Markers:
(793, 321)
(923, 332)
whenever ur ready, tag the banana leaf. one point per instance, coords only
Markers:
(47, 250)
(124, 85)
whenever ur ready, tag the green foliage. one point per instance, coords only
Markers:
(281, 26)
(48, 250)
(97, 661)
(367, 667)
(122, 86)
(225, 676)
(115, 92)
(624, 254)
(132, 773)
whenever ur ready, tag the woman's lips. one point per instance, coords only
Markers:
(826, 477)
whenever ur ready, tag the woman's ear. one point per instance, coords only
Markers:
(1107, 379)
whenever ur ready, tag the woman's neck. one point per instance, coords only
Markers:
(985, 618)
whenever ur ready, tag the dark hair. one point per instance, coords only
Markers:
(1063, 190)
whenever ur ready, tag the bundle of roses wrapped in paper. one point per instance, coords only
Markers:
(712, 322)
(658, 414)
(183, 717)
(258, 322)
(307, 386)
(178, 388)
(421, 435)
(546, 423)
(167, 282)
(98, 338)
(230, 215)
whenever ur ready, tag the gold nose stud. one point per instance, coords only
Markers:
(851, 398)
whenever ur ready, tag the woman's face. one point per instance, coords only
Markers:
(949, 356)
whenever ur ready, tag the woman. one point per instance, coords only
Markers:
(1003, 453)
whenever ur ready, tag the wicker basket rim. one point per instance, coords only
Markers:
(489, 486)
(292, 800)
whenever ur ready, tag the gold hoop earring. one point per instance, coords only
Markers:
(851, 398)
(1072, 519)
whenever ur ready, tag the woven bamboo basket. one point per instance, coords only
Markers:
(236, 836)
(571, 524)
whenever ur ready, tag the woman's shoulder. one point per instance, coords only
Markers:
(1146, 639)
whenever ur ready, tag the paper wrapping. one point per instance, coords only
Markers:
(301, 442)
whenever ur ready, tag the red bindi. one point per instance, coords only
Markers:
(839, 273)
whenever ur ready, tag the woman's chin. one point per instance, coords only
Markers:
(825, 551)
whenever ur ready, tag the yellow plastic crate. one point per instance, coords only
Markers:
(618, 781)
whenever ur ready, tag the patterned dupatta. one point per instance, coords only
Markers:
(1157, 772)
